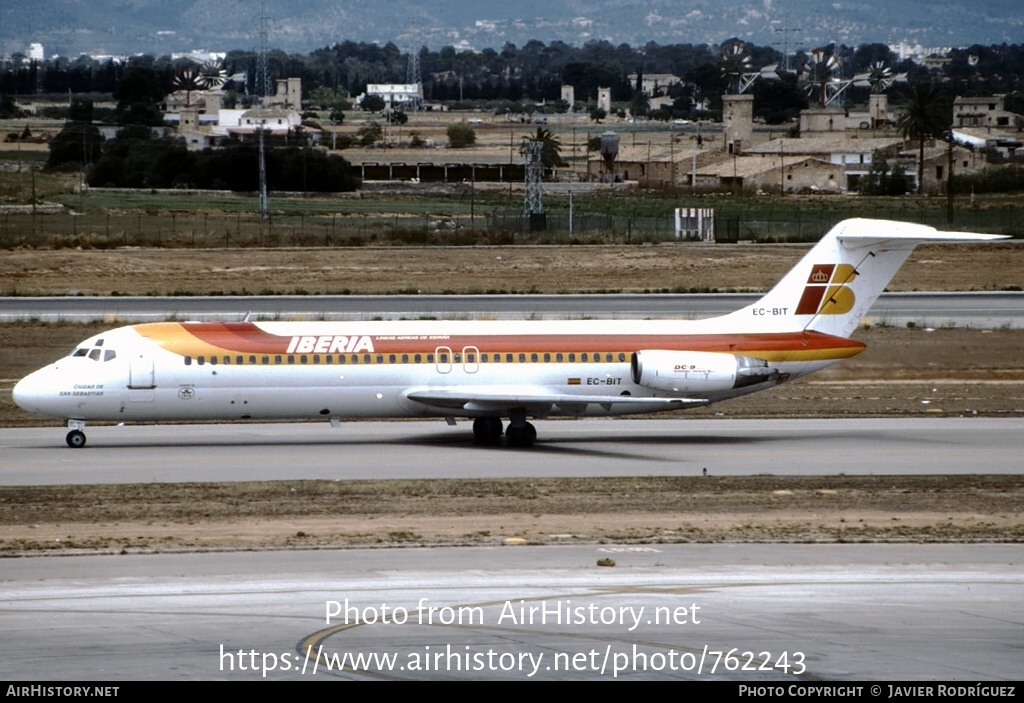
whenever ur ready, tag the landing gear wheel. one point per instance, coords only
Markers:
(487, 430)
(523, 435)
(76, 439)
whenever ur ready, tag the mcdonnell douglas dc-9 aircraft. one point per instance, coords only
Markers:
(484, 370)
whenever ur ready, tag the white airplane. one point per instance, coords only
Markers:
(484, 370)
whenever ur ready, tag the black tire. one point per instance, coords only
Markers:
(75, 439)
(487, 430)
(521, 435)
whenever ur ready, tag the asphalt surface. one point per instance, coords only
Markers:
(588, 447)
(795, 615)
(978, 310)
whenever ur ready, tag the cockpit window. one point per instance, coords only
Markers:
(95, 353)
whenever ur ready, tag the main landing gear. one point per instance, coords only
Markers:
(75, 438)
(487, 430)
(520, 433)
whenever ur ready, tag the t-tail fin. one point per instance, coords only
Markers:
(832, 288)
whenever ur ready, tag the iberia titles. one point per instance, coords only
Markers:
(330, 344)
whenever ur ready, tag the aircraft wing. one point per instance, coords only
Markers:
(478, 399)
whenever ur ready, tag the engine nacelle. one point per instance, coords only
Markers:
(697, 372)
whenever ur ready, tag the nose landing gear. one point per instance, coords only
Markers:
(76, 437)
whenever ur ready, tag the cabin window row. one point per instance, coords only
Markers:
(442, 358)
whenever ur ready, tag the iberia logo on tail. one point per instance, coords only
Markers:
(827, 291)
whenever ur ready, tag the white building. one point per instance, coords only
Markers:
(404, 95)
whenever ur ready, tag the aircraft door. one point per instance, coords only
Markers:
(443, 359)
(470, 359)
(140, 371)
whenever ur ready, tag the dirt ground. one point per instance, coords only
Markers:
(549, 269)
(905, 371)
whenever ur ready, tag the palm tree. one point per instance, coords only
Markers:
(551, 151)
(925, 116)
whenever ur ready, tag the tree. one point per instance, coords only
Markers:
(639, 105)
(551, 149)
(369, 133)
(598, 114)
(137, 95)
(925, 116)
(373, 103)
(881, 180)
(461, 135)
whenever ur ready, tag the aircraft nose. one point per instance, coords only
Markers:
(32, 393)
(26, 395)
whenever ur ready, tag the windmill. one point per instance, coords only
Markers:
(820, 74)
(213, 75)
(190, 81)
(738, 67)
(879, 77)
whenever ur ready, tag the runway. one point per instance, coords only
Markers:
(565, 448)
(795, 615)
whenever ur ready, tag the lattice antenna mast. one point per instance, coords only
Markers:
(262, 55)
(412, 69)
(533, 201)
(786, 30)
(264, 205)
